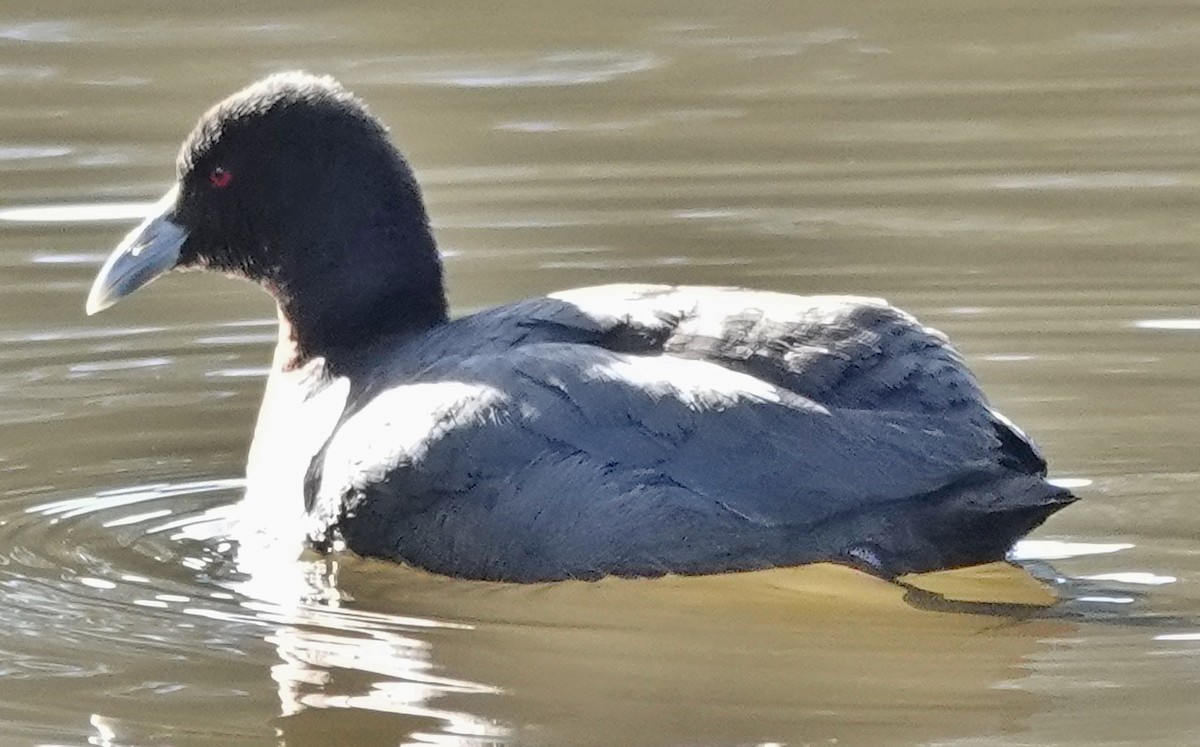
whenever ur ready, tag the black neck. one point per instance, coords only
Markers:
(388, 283)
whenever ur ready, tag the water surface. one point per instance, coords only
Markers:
(1021, 175)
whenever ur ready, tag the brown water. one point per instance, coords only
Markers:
(1022, 175)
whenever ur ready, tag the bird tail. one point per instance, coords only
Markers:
(963, 524)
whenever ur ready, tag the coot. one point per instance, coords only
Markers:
(633, 430)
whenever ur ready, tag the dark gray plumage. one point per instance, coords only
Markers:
(632, 430)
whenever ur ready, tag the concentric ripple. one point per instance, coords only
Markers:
(144, 582)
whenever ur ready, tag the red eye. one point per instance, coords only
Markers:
(220, 178)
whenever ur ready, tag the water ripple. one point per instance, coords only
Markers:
(559, 69)
(93, 212)
(118, 573)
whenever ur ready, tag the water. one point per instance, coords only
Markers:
(1020, 175)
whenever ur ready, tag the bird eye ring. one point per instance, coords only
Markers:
(220, 178)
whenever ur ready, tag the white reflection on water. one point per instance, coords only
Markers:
(106, 731)
(1070, 483)
(78, 258)
(107, 500)
(96, 583)
(315, 637)
(87, 212)
(239, 373)
(44, 32)
(555, 69)
(1175, 324)
(27, 152)
(1087, 181)
(1059, 550)
(404, 663)
(298, 598)
(79, 333)
(328, 655)
(118, 365)
(1133, 577)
